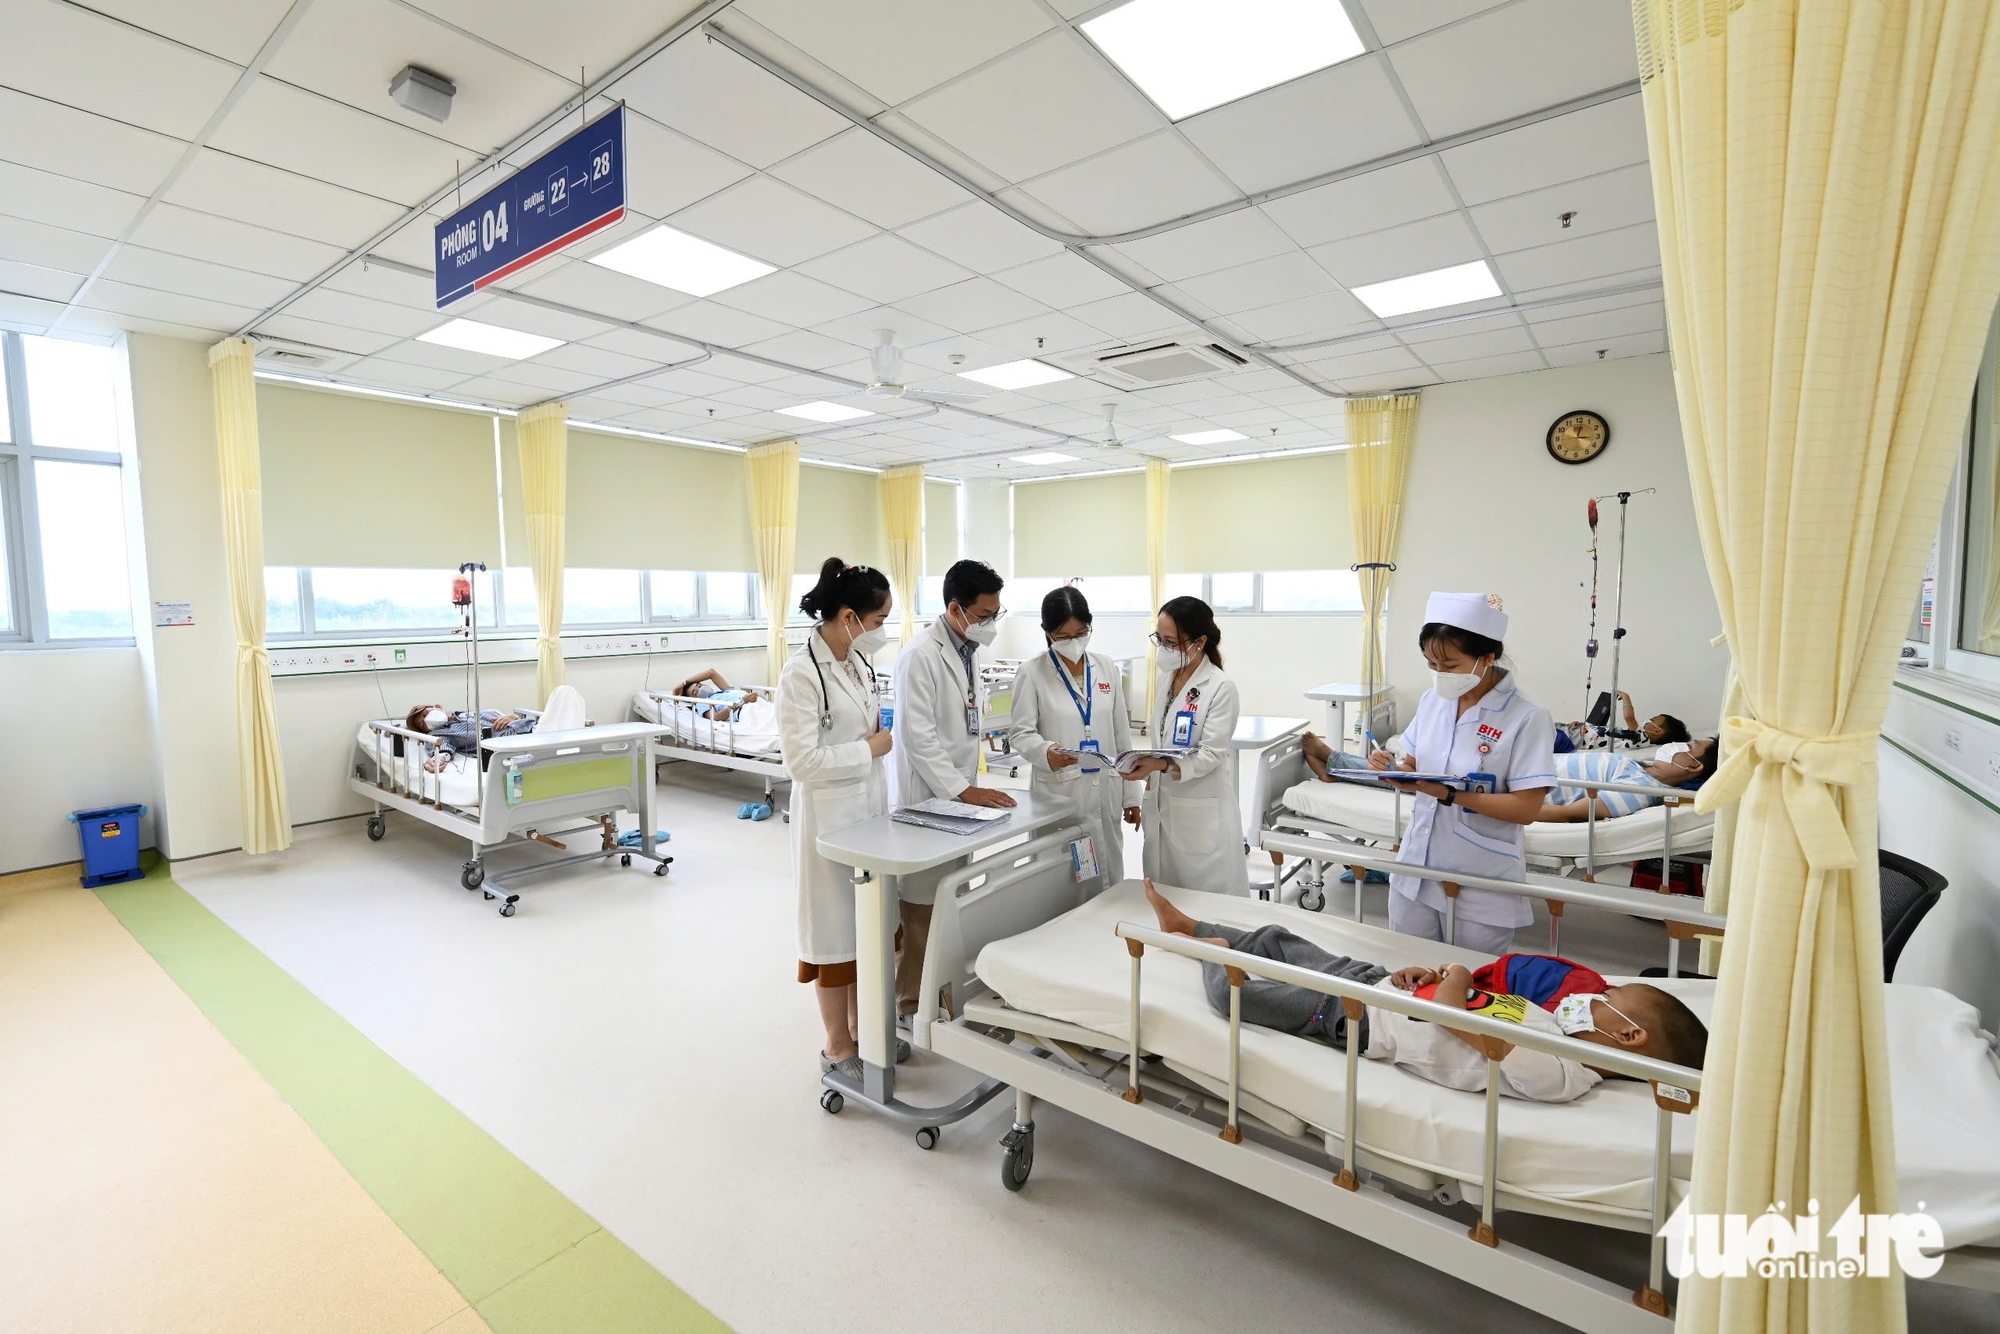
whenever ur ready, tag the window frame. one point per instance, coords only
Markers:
(1954, 522)
(26, 590)
(1207, 594)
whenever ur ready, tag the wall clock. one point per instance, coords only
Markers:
(1578, 437)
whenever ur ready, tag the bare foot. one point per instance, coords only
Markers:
(1172, 919)
(1314, 747)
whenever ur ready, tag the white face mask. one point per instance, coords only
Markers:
(981, 633)
(1574, 1015)
(1073, 649)
(1671, 749)
(870, 642)
(703, 690)
(436, 718)
(1173, 659)
(1453, 685)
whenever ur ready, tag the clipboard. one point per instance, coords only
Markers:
(1376, 777)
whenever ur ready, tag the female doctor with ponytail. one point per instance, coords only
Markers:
(1473, 720)
(830, 730)
(1070, 699)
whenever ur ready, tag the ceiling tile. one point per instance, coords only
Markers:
(1482, 368)
(1629, 345)
(1399, 20)
(1045, 105)
(883, 268)
(1381, 199)
(396, 287)
(61, 201)
(397, 375)
(508, 313)
(1320, 316)
(1375, 361)
(976, 303)
(1042, 335)
(493, 389)
(794, 298)
(714, 323)
(1514, 60)
(232, 29)
(1061, 281)
(1647, 278)
(301, 132)
(804, 348)
(1586, 257)
(771, 221)
(1618, 300)
(593, 34)
(193, 277)
(1466, 346)
(1261, 283)
(548, 377)
(70, 55)
(317, 333)
(603, 291)
(857, 172)
(360, 312)
(1147, 181)
(1416, 337)
(237, 244)
(1133, 315)
(1600, 204)
(1646, 319)
(895, 49)
(20, 279)
(670, 171)
(173, 307)
(50, 247)
(280, 200)
(596, 362)
(740, 370)
(639, 394)
(980, 237)
(1417, 247)
(75, 143)
(1394, 382)
(1353, 112)
(1582, 143)
(710, 93)
(859, 331)
(1204, 247)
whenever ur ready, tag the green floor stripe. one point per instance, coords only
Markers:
(526, 1257)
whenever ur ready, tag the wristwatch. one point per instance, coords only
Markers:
(1450, 797)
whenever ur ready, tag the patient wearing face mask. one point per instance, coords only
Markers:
(455, 733)
(1538, 991)
(714, 697)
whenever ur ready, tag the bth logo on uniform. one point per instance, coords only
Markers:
(1489, 733)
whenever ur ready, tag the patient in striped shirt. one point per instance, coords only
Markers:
(1685, 765)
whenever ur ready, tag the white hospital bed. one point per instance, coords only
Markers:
(1288, 799)
(747, 741)
(529, 789)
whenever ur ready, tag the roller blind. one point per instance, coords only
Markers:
(641, 504)
(353, 481)
(940, 526)
(1086, 526)
(1274, 514)
(840, 514)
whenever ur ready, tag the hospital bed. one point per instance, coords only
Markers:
(998, 678)
(747, 741)
(529, 788)
(1082, 1003)
(1288, 799)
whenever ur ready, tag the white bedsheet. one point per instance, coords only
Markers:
(457, 784)
(753, 731)
(1372, 812)
(1594, 1153)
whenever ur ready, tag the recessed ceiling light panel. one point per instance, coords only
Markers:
(1430, 291)
(1018, 374)
(1190, 55)
(823, 411)
(682, 262)
(1046, 457)
(494, 341)
(1209, 437)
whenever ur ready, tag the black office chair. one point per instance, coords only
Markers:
(1909, 891)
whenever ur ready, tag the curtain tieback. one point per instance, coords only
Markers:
(1808, 767)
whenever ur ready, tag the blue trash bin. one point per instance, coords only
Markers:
(110, 838)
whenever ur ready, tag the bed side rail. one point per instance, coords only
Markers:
(392, 771)
(688, 726)
(1676, 1089)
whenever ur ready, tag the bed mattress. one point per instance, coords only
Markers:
(753, 732)
(1593, 1154)
(1372, 812)
(457, 784)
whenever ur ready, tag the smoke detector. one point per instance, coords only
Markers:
(417, 89)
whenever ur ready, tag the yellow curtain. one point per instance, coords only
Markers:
(1158, 482)
(1829, 214)
(1380, 433)
(774, 525)
(544, 434)
(903, 518)
(267, 816)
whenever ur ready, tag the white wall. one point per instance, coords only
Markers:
(1932, 822)
(81, 736)
(1488, 510)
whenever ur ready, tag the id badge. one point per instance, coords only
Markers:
(1482, 783)
(1089, 747)
(1184, 728)
(972, 720)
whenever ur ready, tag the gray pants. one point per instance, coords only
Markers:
(1280, 1005)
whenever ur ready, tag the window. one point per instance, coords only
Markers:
(675, 596)
(600, 597)
(1232, 592)
(1186, 586)
(349, 601)
(1956, 624)
(727, 596)
(281, 600)
(64, 575)
(802, 584)
(1312, 590)
(930, 596)
(1110, 594)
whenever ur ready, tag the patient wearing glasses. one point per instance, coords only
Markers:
(1538, 991)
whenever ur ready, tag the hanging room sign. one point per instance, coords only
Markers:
(569, 192)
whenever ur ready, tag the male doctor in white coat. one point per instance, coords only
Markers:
(939, 703)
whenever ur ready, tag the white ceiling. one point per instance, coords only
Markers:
(127, 201)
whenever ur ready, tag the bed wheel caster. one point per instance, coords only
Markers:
(927, 1138)
(624, 859)
(661, 869)
(472, 875)
(507, 909)
(831, 1102)
(1018, 1158)
(377, 827)
(1313, 900)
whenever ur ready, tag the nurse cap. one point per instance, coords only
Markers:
(1477, 612)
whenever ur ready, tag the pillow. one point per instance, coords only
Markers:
(564, 712)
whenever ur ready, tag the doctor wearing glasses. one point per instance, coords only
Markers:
(939, 708)
(1194, 827)
(1072, 700)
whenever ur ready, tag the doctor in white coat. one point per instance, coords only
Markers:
(940, 704)
(1194, 829)
(830, 729)
(1071, 699)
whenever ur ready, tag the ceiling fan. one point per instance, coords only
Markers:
(886, 362)
(1112, 440)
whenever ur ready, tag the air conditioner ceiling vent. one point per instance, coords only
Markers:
(287, 356)
(1168, 362)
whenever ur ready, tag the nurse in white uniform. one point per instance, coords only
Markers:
(830, 729)
(1071, 699)
(1194, 829)
(1473, 720)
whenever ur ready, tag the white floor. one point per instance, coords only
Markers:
(642, 1043)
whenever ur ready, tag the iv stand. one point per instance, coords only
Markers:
(1371, 646)
(1618, 608)
(472, 619)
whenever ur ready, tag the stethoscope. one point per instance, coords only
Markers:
(825, 700)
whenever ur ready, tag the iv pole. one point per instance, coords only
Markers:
(1618, 609)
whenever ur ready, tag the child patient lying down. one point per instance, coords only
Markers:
(1537, 991)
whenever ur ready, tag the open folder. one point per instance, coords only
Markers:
(951, 817)
(1375, 777)
(1092, 761)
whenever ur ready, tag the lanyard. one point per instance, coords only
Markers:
(1085, 705)
(971, 686)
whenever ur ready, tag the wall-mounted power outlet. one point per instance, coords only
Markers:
(1953, 740)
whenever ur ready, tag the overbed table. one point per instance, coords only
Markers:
(1338, 695)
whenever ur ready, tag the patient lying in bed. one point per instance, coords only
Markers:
(1681, 765)
(714, 697)
(1537, 991)
(456, 733)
